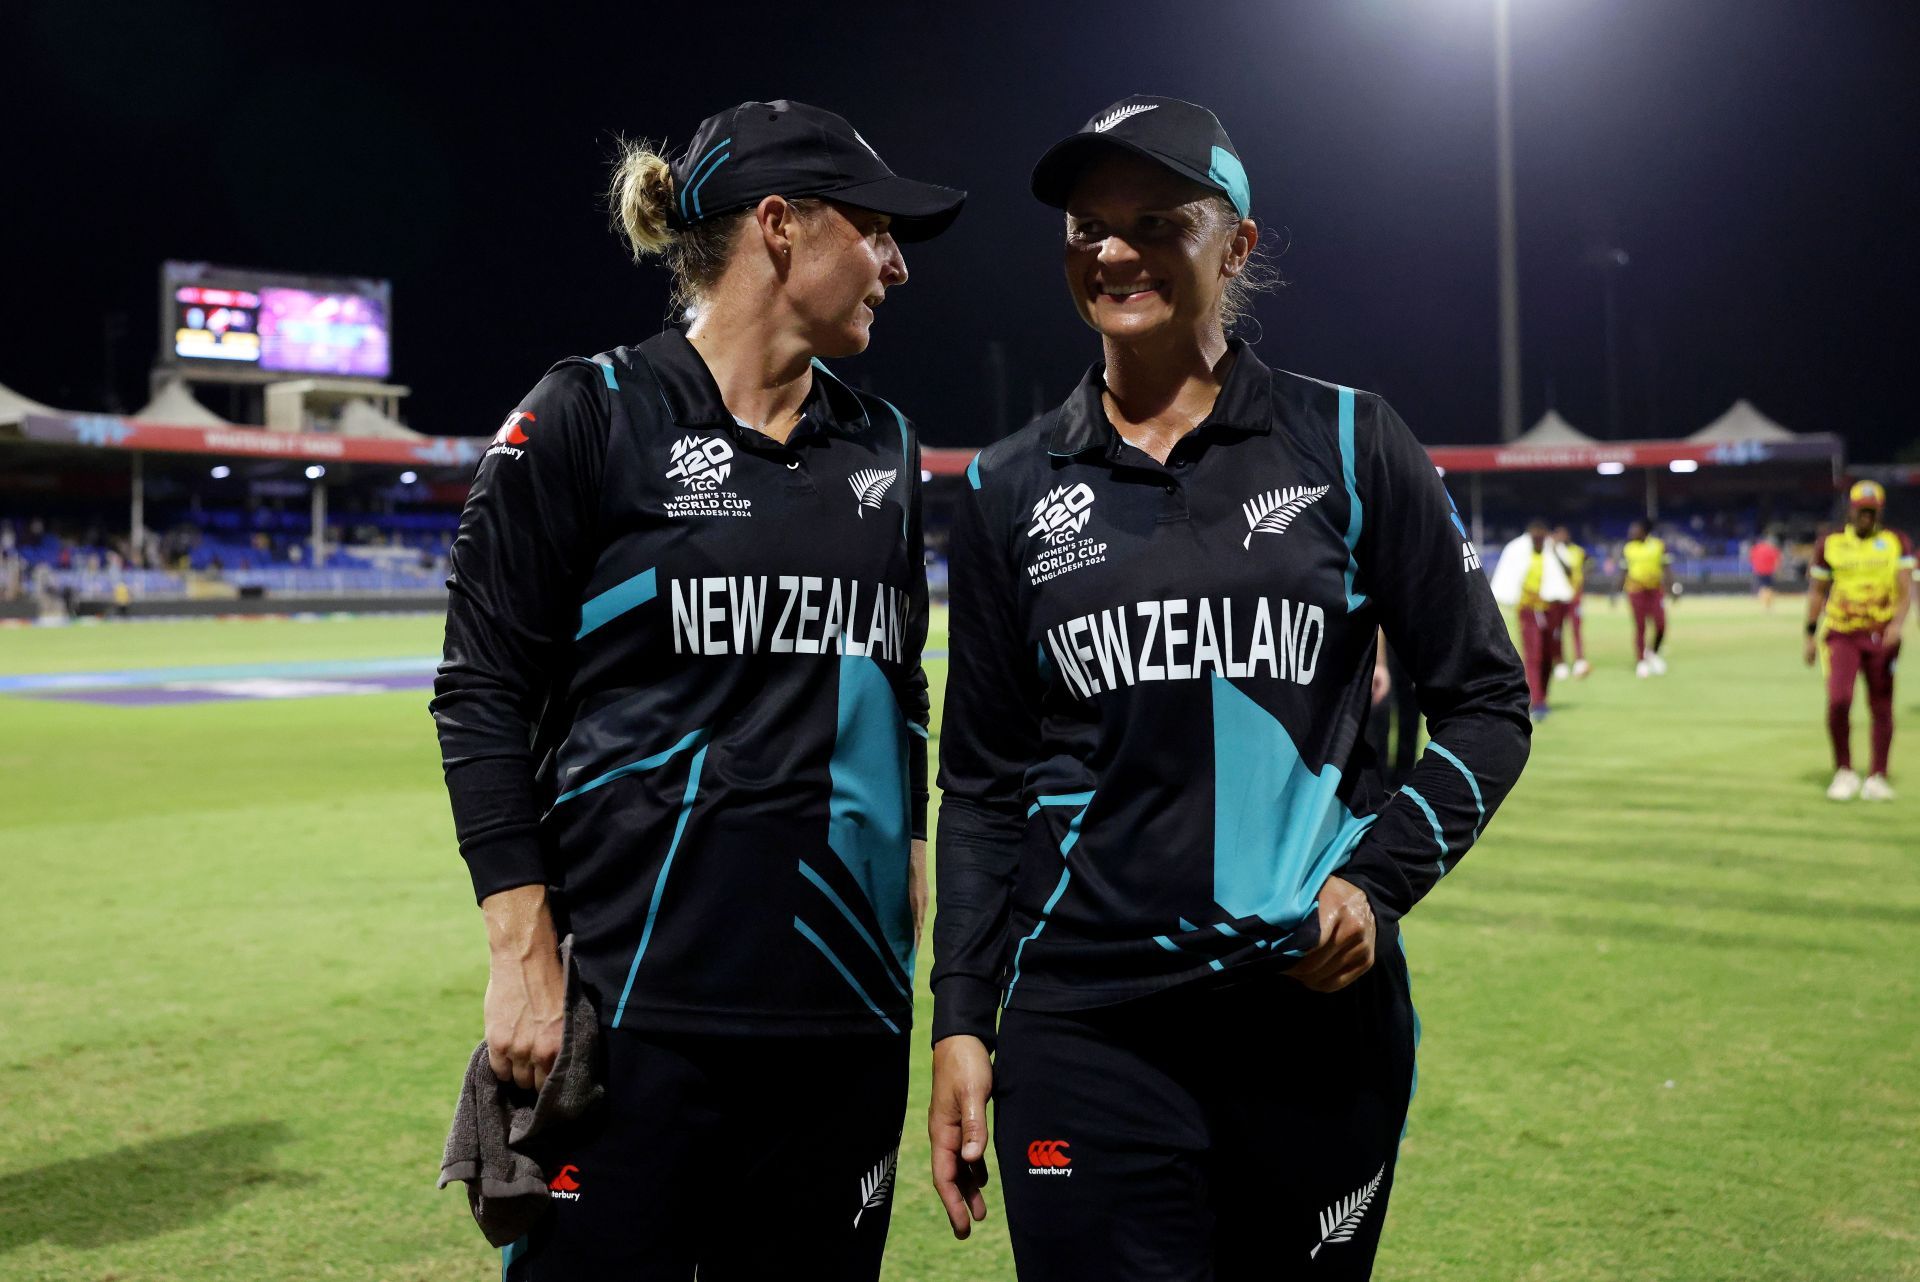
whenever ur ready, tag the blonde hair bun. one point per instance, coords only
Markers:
(640, 195)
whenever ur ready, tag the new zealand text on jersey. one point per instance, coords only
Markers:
(809, 615)
(1181, 640)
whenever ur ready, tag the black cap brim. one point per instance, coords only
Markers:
(920, 211)
(1061, 167)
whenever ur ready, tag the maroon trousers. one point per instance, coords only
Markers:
(1850, 656)
(1540, 646)
(1649, 606)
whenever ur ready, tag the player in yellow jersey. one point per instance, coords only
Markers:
(1860, 582)
(1574, 557)
(1531, 577)
(1645, 582)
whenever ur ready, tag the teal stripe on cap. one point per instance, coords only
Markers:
(1232, 176)
(694, 178)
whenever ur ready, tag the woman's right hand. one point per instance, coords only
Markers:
(957, 1125)
(526, 1004)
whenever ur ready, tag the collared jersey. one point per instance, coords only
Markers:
(1152, 751)
(1864, 575)
(1647, 562)
(1530, 598)
(1575, 558)
(708, 643)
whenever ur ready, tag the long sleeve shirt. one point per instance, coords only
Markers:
(1152, 753)
(682, 688)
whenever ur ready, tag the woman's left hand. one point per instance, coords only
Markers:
(1345, 950)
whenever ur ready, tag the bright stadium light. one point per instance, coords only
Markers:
(925, 476)
(315, 472)
(222, 472)
(1611, 469)
(1441, 470)
(1683, 465)
(408, 478)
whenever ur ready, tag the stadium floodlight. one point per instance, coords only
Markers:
(315, 472)
(1441, 470)
(925, 476)
(222, 472)
(1611, 469)
(1684, 465)
(408, 478)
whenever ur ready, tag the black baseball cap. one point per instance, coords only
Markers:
(1183, 136)
(786, 148)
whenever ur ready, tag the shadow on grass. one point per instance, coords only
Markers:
(140, 1190)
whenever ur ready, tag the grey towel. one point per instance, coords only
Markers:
(496, 1145)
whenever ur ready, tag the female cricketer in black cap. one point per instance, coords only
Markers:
(701, 557)
(1162, 854)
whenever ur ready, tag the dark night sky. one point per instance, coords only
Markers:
(1759, 159)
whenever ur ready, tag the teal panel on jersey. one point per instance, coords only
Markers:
(1355, 599)
(1278, 828)
(603, 609)
(867, 811)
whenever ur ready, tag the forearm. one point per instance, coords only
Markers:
(1816, 604)
(979, 855)
(1472, 761)
(519, 925)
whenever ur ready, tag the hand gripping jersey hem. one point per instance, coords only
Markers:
(1035, 994)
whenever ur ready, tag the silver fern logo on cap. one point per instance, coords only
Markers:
(1119, 114)
(1339, 1222)
(870, 485)
(1273, 512)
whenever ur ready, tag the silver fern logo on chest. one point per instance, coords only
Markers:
(870, 486)
(1273, 512)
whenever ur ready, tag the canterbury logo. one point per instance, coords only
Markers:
(1339, 1222)
(1062, 514)
(1273, 512)
(870, 485)
(877, 1184)
(565, 1181)
(1048, 1153)
(1119, 114)
(510, 433)
(700, 462)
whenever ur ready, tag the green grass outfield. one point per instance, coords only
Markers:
(1671, 1004)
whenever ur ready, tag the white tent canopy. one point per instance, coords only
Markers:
(14, 407)
(173, 404)
(361, 418)
(1553, 430)
(1743, 422)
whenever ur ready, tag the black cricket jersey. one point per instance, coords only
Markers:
(1152, 751)
(682, 687)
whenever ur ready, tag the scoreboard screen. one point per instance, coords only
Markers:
(275, 323)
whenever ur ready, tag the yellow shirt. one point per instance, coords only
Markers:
(1530, 586)
(1646, 562)
(1575, 557)
(1863, 575)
